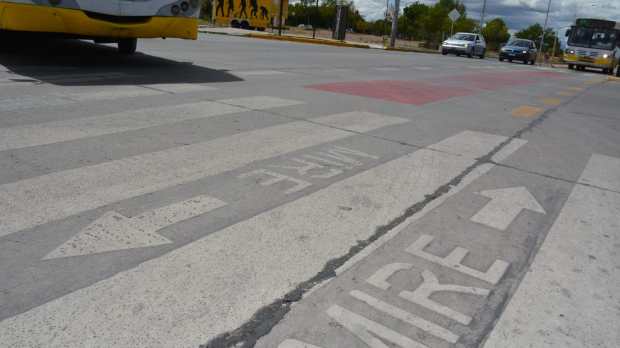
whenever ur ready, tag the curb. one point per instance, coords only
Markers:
(395, 49)
(307, 40)
(613, 78)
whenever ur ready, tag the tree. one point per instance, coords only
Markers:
(495, 33)
(534, 32)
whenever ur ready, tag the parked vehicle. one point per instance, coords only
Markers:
(468, 44)
(249, 14)
(519, 49)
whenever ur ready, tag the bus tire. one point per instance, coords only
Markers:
(127, 46)
(571, 67)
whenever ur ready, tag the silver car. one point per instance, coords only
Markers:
(468, 44)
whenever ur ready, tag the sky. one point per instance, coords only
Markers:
(517, 14)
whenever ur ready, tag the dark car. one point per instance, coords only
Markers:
(519, 49)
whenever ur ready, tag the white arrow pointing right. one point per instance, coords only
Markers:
(504, 206)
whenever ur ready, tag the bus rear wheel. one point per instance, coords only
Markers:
(127, 46)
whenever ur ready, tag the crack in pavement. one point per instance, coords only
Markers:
(261, 323)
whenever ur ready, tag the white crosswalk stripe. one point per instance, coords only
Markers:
(39, 200)
(214, 284)
(53, 132)
(100, 94)
(180, 87)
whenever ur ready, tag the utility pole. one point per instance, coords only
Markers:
(484, 10)
(542, 37)
(280, 18)
(316, 16)
(394, 23)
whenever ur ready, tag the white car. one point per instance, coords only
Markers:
(468, 44)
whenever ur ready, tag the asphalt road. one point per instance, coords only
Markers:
(234, 192)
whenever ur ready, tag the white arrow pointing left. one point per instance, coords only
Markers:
(504, 206)
(114, 231)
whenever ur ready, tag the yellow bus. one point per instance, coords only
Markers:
(593, 43)
(112, 21)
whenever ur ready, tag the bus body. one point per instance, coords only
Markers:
(122, 21)
(593, 43)
(248, 14)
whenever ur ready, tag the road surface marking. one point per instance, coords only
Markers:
(290, 343)
(603, 172)
(113, 231)
(430, 285)
(526, 111)
(245, 266)
(454, 261)
(259, 73)
(30, 101)
(577, 89)
(381, 276)
(31, 202)
(118, 92)
(386, 68)
(273, 178)
(260, 102)
(336, 156)
(368, 331)
(406, 317)
(499, 157)
(180, 87)
(552, 101)
(569, 297)
(504, 206)
(66, 130)
(566, 93)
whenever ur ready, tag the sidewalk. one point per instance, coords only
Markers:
(285, 37)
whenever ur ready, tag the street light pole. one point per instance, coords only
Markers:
(316, 16)
(482, 15)
(542, 37)
(394, 24)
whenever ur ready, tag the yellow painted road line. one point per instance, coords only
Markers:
(566, 93)
(526, 111)
(552, 101)
(577, 89)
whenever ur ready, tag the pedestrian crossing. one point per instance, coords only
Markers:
(215, 283)
(58, 131)
(188, 295)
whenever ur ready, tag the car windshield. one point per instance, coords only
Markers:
(603, 39)
(464, 37)
(519, 43)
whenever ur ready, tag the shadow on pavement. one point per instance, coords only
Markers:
(80, 63)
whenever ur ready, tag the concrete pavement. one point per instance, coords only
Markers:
(235, 192)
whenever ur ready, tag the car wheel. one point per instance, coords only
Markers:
(444, 53)
(525, 61)
(469, 55)
(510, 60)
(127, 46)
(501, 59)
(618, 71)
(482, 55)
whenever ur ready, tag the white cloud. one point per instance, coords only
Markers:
(517, 13)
